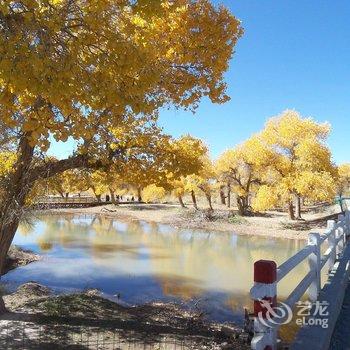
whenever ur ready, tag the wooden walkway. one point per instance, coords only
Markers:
(59, 205)
(76, 204)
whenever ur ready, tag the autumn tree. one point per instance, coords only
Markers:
(301, 166)
(70, 181)
(84, 69)
(177, 187)
(343, 181)
(241, 169)
(153, 193)
(204, 181)
(146, 158)
(184, 157)
(114, 180)
(7, 161)
(142, 171)
(96, 181)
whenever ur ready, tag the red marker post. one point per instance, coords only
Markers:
(264, 294)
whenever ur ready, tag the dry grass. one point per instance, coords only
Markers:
(33, 307)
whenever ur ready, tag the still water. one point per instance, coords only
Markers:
(140, 262)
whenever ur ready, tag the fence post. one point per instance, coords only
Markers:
(337, 235)
(331, 244)
(315, 266)
(347, 223)
(264, 291)
(341, 232)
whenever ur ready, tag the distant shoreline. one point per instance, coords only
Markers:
(274, 224)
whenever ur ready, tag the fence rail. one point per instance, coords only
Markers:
(267, 275)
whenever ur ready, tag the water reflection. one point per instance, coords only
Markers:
(146, 261)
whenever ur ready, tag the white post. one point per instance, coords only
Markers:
(341, 232)
(347, 223)
(315, 266)
(331, 244)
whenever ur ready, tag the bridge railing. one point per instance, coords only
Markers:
(267, 276)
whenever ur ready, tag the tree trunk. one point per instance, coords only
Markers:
(291, 210)
(208, 196)
(341, 203)
(228, 195)
(181, 201)
(112, 196)
(139, 194)
(222, 195)
(194, 200)
(11, 209)
(243, 205)
(297, 207)
(240, 206)
(66, 197)
(7, 233)
(20, 183)
(98, 197)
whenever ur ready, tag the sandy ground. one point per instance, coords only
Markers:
(39, 320)
(271, 224)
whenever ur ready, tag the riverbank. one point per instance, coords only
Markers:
(40, 316)
(17, 257)
(37, 318)
(271, 224)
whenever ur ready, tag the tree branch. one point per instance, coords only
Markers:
(53, 168)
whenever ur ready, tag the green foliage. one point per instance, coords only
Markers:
(237, 219)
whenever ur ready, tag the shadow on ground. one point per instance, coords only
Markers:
(39, 320)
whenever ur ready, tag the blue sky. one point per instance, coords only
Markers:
(293, 55)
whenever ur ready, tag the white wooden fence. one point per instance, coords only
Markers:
(267, 276)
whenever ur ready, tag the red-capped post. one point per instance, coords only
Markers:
(265, 273)
(264, 295)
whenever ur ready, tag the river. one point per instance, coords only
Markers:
(136, 262)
